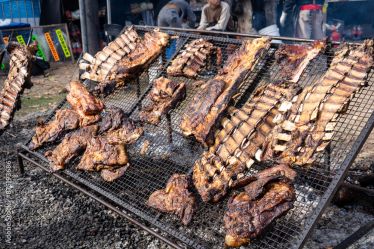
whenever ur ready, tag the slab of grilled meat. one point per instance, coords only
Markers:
(308, 127)
(71, 146)
(124, 58)
(64, 120)
(293, 59)
(126, 133)
(17, 79)
(205, 111)
(240, 142)
(247, 218)
(175, 198)
(164, 96)
(192, 59)
(82, 101)
(100, 154)
(113, 119)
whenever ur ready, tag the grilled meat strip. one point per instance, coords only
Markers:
(192, 59)
(206, 111)
(110, 175)
(293, 59)
(240, 141)
(246, 218)
(308, 128)
(164, 96)
(65, 120)
(175, 198)
(18, 76)
(124, 58)
(100, 154)
(82, 101)
(71, 146)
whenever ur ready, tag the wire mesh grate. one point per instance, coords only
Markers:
(165, 151)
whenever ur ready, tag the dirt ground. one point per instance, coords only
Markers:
(48, 214)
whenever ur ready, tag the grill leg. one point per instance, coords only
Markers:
(21, 165)
(170, 130)
(138, 92)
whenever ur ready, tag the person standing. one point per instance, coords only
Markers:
(176, 14)
(215, 15)
(309, 21)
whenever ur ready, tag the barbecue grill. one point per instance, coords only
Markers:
(169, 152)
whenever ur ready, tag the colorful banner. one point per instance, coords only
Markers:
(21, 40)
(62, 41)
(51, 46)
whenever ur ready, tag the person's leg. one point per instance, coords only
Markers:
(245, 20)
(304, 25)
(270, 7)
(317, 22)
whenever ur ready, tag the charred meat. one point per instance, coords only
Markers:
(71, 146)
(225, 86)
(65, 120)
(192, 59)
(309, 125)
(175, 198)
(164, 96)
(246, 218)
(240, 141)
(113, 119)
(293, 59)
(124, 58)
(82, 101)
(110, 175)
(18, 76)
(100, 154)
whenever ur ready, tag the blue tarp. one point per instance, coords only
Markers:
(19, 9)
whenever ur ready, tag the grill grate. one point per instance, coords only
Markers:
(169, 152)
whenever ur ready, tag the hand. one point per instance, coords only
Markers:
(282, 20)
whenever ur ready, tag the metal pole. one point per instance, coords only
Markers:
(109, 11)
(82, 14)
(92, 25)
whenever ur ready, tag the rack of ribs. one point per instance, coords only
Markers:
(175, 198)
(123, 59)
(192, 59)
(248, 215)
(308, 127)
(17, 79)
(164, 96)
(240, 142)
(293, 59)
(200, 118)
(71, 146)
(85, 111)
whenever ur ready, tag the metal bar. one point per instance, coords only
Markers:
(355, 236)
(20, 164)
(211, 32)
(103, 202)
(109, 11)
(337, 180)
(82, 14)
(170, 129)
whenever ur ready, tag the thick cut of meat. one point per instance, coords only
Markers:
(127, 133)
(100, 154)
(225, 86)
(124, 58)
(110, 175)
(82, 101)
(192, 59)
(163, 97)
(71, 146)
(18, 76)
(65, 120)
(247, 218)
(240, 141)
(175, 198)
(293, 59)
(113, 119)
(309, 126)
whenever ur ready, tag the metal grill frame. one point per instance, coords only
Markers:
(165, 227)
